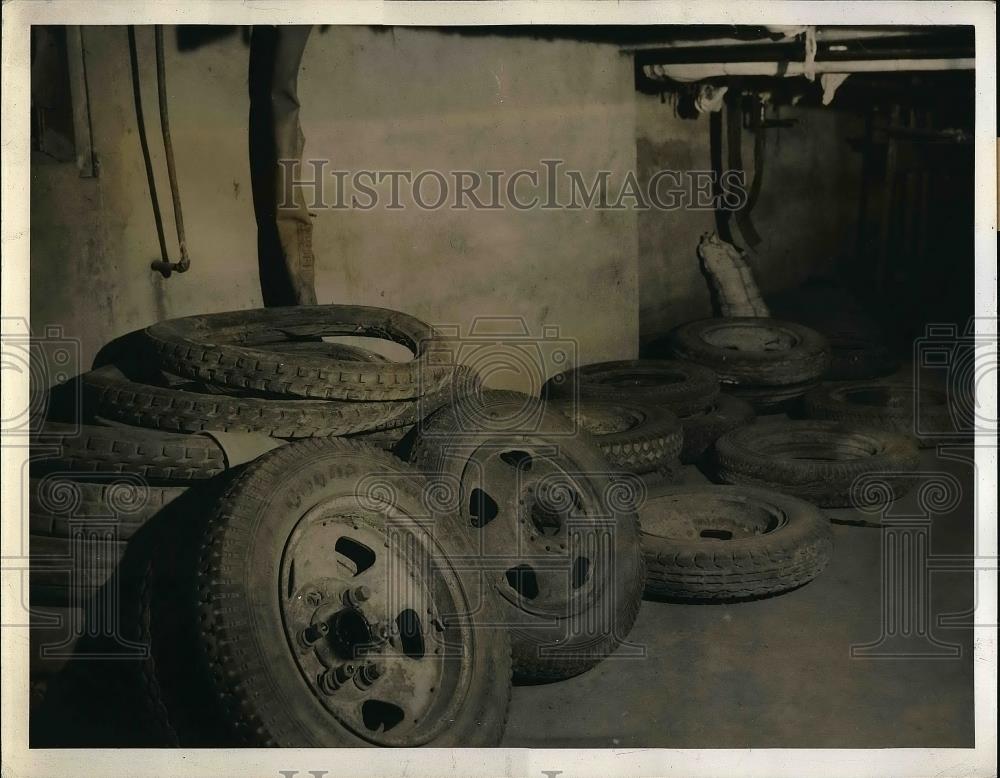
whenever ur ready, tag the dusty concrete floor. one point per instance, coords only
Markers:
(779, 672)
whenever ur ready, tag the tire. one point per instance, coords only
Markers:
(151, 454)
(725, 543)
(212, 348)
(678, 386)
(742, 350)
(270, 547)
(109, 393)
(703, 428)
(635, 437)
(68, 571)
(59, 505)
(815, 460)
(132, 344)
(555, 494)
(886, 405)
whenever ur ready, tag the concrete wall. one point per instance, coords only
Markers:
(412, 99)
(806, 214)
(402, 99)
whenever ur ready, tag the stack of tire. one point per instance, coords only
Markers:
(759, 529)
(703, 543)
(269, 371)
(397, 600)
(137, 437)
(767, 362)
(180, 403)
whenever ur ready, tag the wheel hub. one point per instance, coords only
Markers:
(542, 532)
(362, 619)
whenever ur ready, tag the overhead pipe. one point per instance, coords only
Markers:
(697, 71)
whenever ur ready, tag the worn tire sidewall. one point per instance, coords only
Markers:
(302, 720)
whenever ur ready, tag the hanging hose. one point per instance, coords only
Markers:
(147, 160)
(168, 149)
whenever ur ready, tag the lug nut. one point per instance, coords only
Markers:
(357, 595)
(336, 677)
(313, 633)
(368, 674)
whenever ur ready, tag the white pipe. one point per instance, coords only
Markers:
(699, 71)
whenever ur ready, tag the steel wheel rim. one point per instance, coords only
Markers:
(536, 527)
(709, 518)
(385, 663)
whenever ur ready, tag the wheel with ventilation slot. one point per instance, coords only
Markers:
(555, 523)
(730, 542)
(323, 609)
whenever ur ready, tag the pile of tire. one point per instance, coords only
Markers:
(221, 514)
(700, 543)
(766, 362)
(155, 410)
(279, 578)
(269, 371)
(166, 414)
